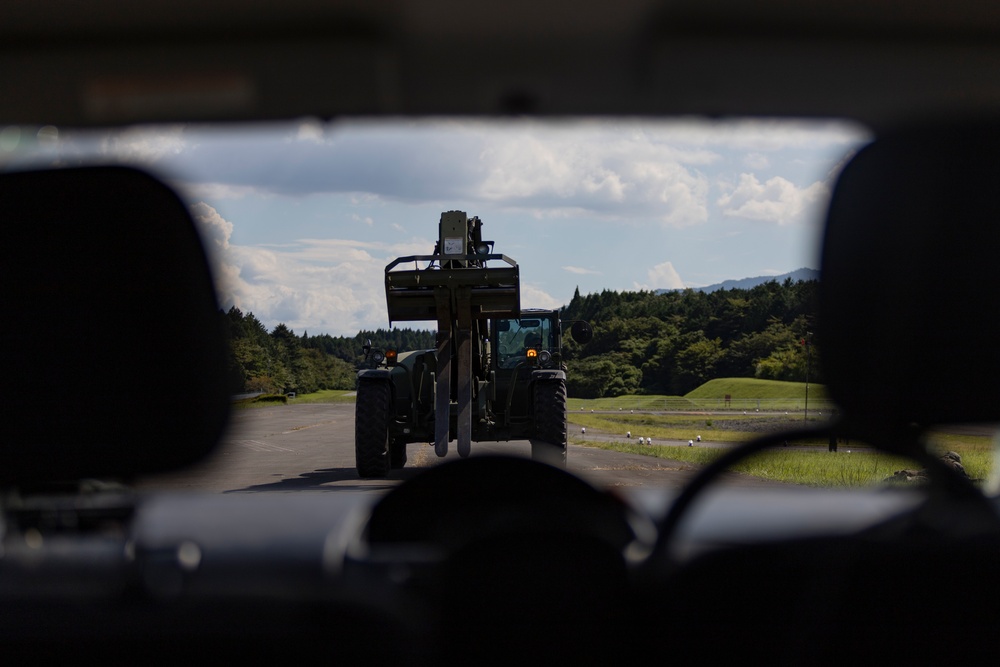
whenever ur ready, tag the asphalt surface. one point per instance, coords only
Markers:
(296, 447)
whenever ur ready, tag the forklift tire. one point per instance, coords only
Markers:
(549, 443)
(371, 428)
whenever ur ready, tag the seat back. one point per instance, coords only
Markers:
(113, 350)
(907, 330)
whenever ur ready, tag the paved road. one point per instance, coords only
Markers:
(311, 447)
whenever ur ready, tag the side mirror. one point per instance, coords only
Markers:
(582, 332)
(367, 347)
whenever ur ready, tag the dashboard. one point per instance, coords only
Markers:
(438, 568)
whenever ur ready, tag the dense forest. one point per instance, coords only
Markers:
(670, 343)
(644, 342)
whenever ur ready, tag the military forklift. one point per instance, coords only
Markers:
(496, 373)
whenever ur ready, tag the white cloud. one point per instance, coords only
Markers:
(602, 172)
(606, 170)
(775, 200)
(581, 271)
(331, 251)
(535, 297)
(326, 285)
(215, 229)
(308, 288)
(662, 276)
(614, 170)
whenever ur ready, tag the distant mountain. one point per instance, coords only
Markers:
(747, 283)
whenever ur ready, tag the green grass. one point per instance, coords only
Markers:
(323, 396)
(745, 394)
(977, 451)
(751, 388)
(848, 467)
(673, 426)
(633, 402)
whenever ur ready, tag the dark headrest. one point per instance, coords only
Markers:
(908, 329)
(112, 351)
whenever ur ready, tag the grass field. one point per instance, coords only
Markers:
(677, 418)
(325, 396)
(673, 426)
(744, 388)
(848, 467)
(684, 417)
(744, 394)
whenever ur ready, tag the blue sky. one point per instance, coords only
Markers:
(301, 218)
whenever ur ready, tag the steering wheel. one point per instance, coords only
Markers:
(946, 484)
(460, 501)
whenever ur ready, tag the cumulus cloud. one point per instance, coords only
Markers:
(600, 172)
(318, 285)
(618, 170)
(215, 229)
(662, 276)
(775, 200)
(614, 171)
(337, 291)
(533, 296)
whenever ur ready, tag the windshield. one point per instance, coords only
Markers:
(688, 246)
(516, 337)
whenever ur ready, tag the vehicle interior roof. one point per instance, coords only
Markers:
(122, 62)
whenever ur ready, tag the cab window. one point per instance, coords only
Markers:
(515, 337)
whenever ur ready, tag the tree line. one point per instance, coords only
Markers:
(644, 342)
(280, 361)
(672, 342)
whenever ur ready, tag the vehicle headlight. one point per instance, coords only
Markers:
(544, 357)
